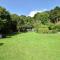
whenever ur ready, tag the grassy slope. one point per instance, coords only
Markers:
(30, 46)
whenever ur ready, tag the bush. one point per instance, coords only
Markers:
(42, 29)
(51, 26)
(57, 26)
(52, 31)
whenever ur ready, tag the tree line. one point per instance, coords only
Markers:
(47, 21)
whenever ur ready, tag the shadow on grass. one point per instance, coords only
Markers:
(1, 44)
(10, 35)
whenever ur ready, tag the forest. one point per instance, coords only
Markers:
(44, 22)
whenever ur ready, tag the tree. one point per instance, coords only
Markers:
(42, 17)
(14, 22)
(54, 15)
(5, 21)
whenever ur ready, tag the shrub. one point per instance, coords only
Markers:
(42, 29)
(52, 31)
(51, 26)
(57, 26)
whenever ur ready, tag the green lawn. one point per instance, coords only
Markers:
(30, 46)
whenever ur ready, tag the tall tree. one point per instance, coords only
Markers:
(42, 17)
(5, 20)
(55, 15)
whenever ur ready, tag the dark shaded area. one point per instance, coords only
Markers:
(1, 44)
(12, 34)
(3, 36)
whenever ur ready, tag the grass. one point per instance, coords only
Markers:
(30, 46)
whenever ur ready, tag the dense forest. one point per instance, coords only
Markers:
(44, 22)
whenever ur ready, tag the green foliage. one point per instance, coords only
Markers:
(42, 17)
(5, 21)
(41, 22)
(42, 29)
(57, 26)
(51, 26)
(54, 15)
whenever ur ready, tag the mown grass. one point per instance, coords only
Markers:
(30, 46)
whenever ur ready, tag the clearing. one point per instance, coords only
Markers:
(30, 46)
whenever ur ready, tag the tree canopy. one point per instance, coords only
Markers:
(10, 23)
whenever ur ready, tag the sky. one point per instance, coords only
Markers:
(28, 7)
